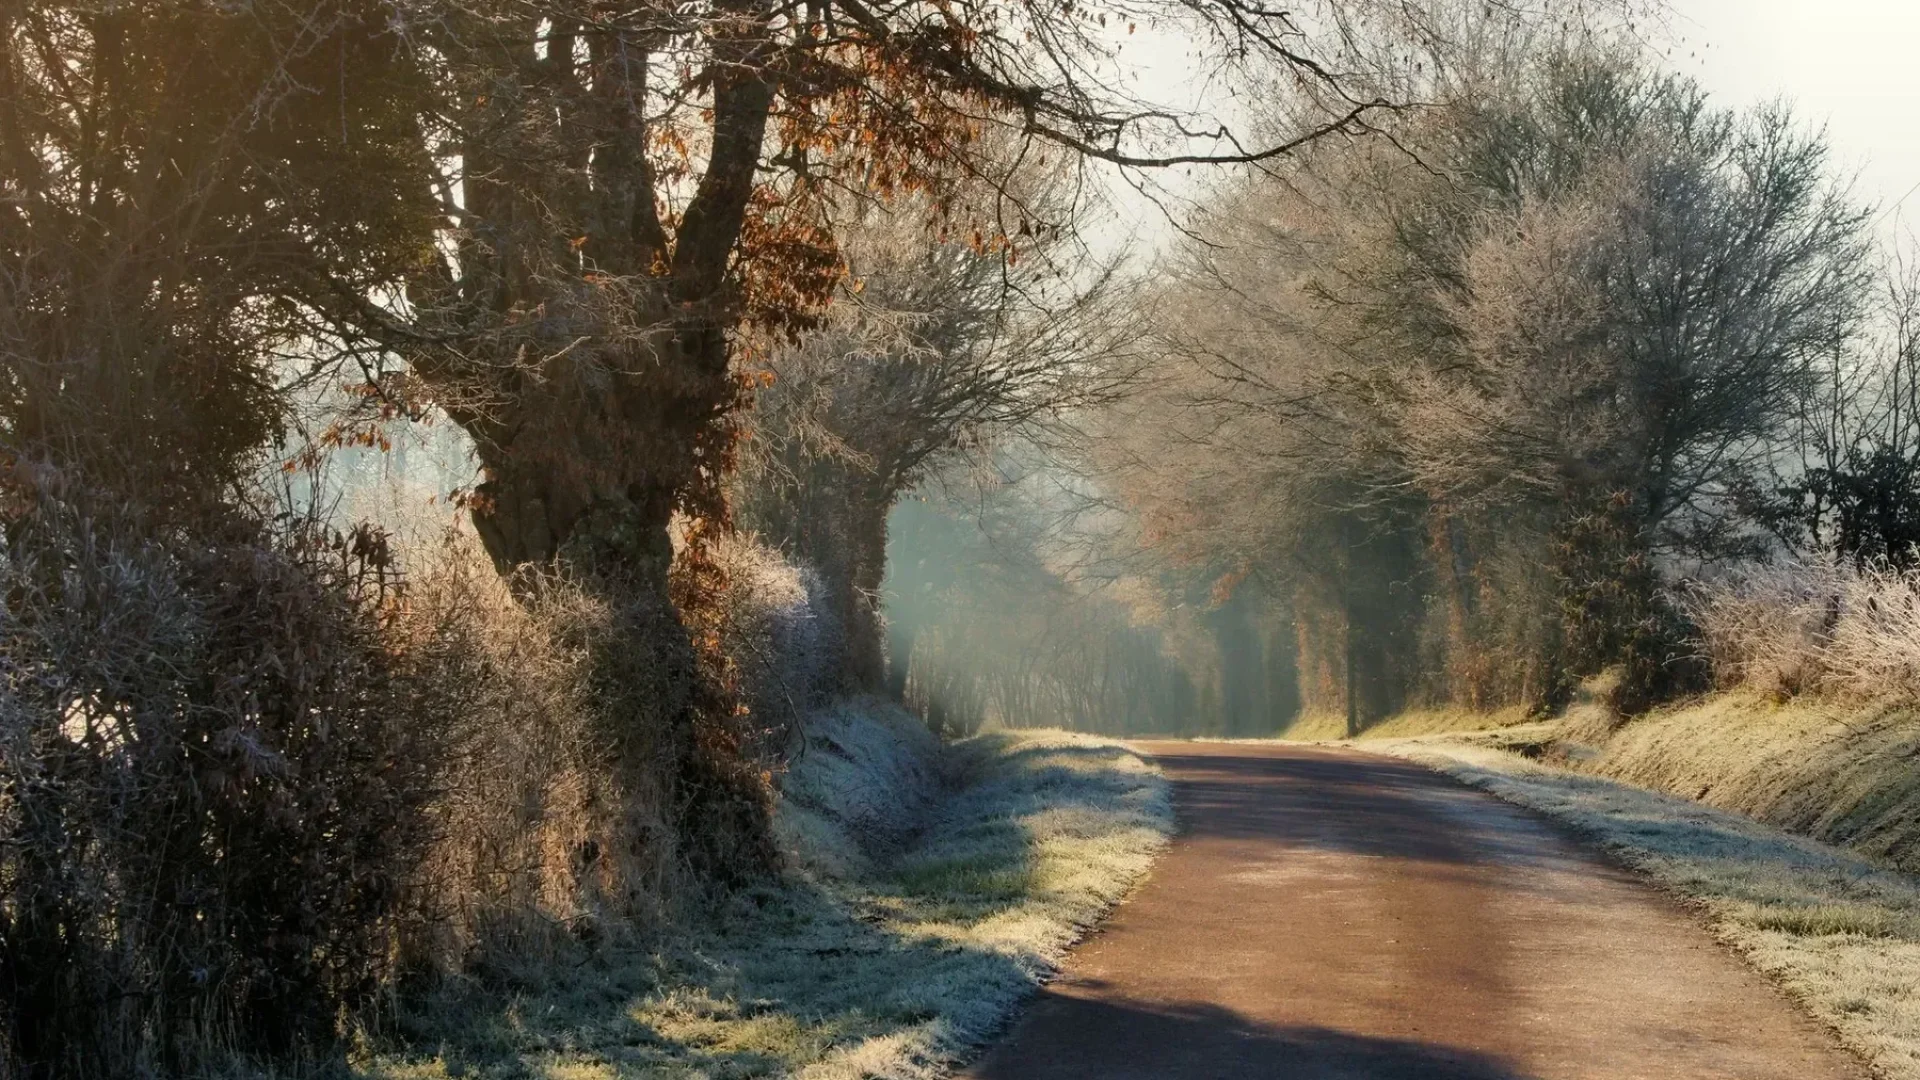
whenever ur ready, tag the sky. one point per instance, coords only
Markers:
(1848, 64)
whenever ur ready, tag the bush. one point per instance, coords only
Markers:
(213, 777)
(539, 845)
(250, 777)
(536, 845)
(779, 634)
(1618, 614)
(1821, 628)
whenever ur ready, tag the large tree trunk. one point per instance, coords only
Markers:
(588, 357)
(589, 468)
(589, 483)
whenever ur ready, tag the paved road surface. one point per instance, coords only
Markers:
(1330, 914)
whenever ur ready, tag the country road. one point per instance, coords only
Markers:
(1325, 914)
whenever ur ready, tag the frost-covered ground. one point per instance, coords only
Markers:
(1839, 932)
(933, 891)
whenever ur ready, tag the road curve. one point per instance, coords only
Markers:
(1325, 913)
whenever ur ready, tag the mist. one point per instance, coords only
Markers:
(1019, 600)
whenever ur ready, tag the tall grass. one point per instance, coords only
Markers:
(1813, 628)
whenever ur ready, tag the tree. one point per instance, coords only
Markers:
(183, 182)
(215, 746)
(630, 188)
(628, 184)
(1652, 327)
(1585, 297)
(1853, 488)
(935, 349)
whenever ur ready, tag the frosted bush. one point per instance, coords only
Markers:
(779, 632)
(1820, 627)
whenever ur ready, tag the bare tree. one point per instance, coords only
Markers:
(1585, 305)
(935, 349)
(1653, 330)
(1848, 484)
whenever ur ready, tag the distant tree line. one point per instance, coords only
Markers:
(1480, 394)
(1463, 414)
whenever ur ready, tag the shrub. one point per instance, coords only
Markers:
(1766, 627)
(1617, 614)
(213, 774)
(250, 777)
(1819, 627)
(536, 844)
(539, 845)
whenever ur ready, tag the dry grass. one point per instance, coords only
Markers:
(1836, 771)
(1327, 726)
(1839, 931)
(891, 956)
(1835, 630)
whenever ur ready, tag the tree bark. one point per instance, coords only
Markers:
(589, 361)
(590, 469)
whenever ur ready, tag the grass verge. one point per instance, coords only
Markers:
(1840, 932)
(1838, 771)
(1324, 726)
(890, 961)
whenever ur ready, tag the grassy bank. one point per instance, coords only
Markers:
(909, 930)
(1843, 773)
(1836, 770)
(1320, 726)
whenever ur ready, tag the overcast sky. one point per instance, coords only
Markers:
(1849, 64)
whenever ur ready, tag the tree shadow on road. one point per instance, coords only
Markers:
(1076, 1038)
(1353, 804)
